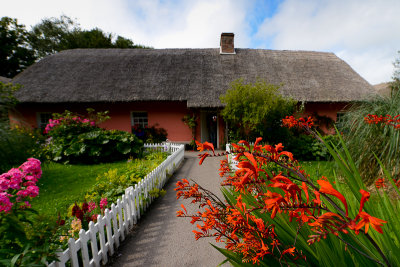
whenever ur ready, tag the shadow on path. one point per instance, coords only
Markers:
(161, 238)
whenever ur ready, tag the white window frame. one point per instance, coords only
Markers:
(142, 121)
(40, 123)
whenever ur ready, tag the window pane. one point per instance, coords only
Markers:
(140, 119)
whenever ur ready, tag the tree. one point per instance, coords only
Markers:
(52, 35)
(15, 51)
(255, 109)
(395, 84)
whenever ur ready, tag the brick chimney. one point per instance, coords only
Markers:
(227, 45)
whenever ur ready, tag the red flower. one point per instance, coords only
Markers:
(380, 183)
(367, 220)
(364, 198)
(327, 188)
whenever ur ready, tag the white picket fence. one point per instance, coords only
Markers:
(110, 229)
(233, 163)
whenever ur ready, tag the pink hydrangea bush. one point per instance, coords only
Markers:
(74, 120)
(18, 185)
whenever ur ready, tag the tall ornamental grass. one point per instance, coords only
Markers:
(366, 142)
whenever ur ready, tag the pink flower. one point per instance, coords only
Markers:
(33, 190)
(5, 203)
(103, 203)
(92, 206)
(92, 123)
(4, 182)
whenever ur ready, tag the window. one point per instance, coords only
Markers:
(139, 119)
(43, 119)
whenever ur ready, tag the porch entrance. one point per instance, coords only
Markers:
(209, 127)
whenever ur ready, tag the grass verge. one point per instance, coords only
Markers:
(61, 185)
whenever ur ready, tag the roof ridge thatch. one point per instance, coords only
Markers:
(198, 76)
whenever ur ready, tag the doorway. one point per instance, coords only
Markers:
(209, 127)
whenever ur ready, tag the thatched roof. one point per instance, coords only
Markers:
(383, 89)
(198, 76)
(4, 79)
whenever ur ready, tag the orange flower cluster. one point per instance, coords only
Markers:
(384, 120)
(381, 183)
(287, 192)
(291, 122)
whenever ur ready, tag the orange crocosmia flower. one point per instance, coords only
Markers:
(380, 183)
(256, 146)
(289, 250)
(244, 143)
(305, 189)
(327, 188)
(317, 199)
(279, 147)
(205, 146)
(251, 159)
(203, 157)
(367, 220)
(364, 198)
(286, 153)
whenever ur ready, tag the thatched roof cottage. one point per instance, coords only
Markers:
(160, 86)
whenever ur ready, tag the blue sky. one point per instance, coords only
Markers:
(364, 33)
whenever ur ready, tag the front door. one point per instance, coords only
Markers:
(209, 127)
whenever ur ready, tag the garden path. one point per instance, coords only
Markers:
(161, 238)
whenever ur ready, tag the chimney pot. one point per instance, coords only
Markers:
(227, 45)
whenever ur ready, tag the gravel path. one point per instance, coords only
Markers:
(161, 238)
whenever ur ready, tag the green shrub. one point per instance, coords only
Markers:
(113, 183)
(75, 139)
(151, 134)
(255, 109)
(16, 144)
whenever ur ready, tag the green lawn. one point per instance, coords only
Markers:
(61, 185)
(316, 169)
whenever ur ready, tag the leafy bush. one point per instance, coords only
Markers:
(151, 134)
(16, 144)
(253, 110)
(79, 140)
(112, 184)
(365, 141)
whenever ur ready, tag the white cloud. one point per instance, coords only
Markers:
(362, 32)
(157, 23)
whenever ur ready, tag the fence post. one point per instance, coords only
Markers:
(110, 240)
(83, 238)
(73, 252)
(102, 236)
(93, 243)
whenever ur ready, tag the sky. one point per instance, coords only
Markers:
(364, 33)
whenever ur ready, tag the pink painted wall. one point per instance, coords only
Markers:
(167, 115)
(325, 109)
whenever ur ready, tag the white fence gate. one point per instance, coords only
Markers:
(104, 236)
